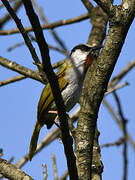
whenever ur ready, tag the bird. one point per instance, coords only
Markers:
(70, 75)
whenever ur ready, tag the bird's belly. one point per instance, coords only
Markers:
(71, 95)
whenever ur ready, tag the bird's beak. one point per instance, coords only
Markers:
(93, 50)
(96, 47)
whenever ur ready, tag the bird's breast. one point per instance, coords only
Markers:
(72, 92)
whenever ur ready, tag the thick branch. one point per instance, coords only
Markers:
(85, 136)
(99, 21)
(106, 5)
(95, 85)
(10, 171)
(88, 6)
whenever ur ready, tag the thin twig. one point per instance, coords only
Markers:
(110, 90)
(64, 176)
(54, 167)
(45, 171)
(15, 46)
(44, 19)
(11, 80)
(50, 47)
(110, 109)
(124, 122)
(22, 30)
(49, 26)
(117, 143)
(122, 74)
(7, 17)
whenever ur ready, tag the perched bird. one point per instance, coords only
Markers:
(70, 78)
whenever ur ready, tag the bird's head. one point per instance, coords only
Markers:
(82, 56)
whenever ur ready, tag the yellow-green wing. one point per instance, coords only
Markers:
(45, 99)
(64, 68)
(47, 96)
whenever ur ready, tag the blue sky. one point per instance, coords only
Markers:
(19, 100)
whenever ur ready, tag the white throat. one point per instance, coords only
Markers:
(78, 58)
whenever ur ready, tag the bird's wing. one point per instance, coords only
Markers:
(44, 102)
(47, 96)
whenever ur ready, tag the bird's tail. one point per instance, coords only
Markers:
(34, 139)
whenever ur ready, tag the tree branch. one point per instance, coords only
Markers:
(117, 143)
(88, 6)
(99, 21)
(95, 85)
(56, 133)
(106, 5)
(45, 171)
(55, 35)
(49, 26)
(66, 138)
(49, 45)
(64, 176)
(11, 80)
(110, 109)
(10, 171)
(23, 32)
(124, 123)
(2, 5)
(20, 69)
(86, 136)
(54, 167)
(7, 17)
(124, 71)
(26, 72)
(110, 90)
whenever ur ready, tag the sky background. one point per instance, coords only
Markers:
(18, 101)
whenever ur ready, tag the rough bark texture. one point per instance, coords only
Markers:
(10, 171)
(95, 85)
